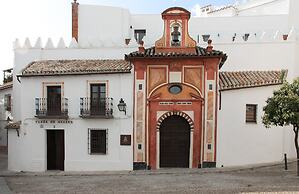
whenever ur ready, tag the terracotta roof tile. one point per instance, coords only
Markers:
(6, 86)
(247, 79)
(75, 67)
(13, 125)
(200, 52)
(222, 8)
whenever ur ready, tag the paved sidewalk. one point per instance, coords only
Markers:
(268, 180)
(165, 171)
(3, 187)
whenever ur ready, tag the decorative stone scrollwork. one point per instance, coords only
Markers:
(178, 113)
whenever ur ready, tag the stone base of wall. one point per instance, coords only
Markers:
(139, 166)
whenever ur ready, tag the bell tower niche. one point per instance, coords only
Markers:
(176, 37)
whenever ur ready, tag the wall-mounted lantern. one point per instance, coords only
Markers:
(122, 106)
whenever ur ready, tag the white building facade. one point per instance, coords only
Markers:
(73, 122)
(257, 36)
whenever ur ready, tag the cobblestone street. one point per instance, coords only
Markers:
(233, 180)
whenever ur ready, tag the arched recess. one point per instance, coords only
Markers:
(169, 154)
(188, 92)
(178, 113)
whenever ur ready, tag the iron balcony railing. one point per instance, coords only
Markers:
(51, 107)
(96, 107)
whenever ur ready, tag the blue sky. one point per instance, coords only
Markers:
(52, 18)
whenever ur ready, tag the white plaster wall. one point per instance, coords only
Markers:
(229, 12)
(3, 117)
(241, 143)
(24, 56)
(103, 23)
(28, 152)
(240, 24)
(294, 14)
(261, 56)
(95, 29)
(264, 7)
(152, 23)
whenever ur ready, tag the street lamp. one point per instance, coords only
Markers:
(122, 106)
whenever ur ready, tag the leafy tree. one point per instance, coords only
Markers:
(282, 109)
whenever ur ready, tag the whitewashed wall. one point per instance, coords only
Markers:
(241, 143)
(261, 56)
(294, 14)
(264, 7)
(95, 30)
(23, 56)
(28, 151)
(103, 23)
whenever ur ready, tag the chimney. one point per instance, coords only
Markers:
(209, 47)
(141, 48)
(75, 6)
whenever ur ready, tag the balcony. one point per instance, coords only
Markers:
(51, 108)
(96, 107)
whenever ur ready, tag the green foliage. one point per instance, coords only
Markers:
(282, 108)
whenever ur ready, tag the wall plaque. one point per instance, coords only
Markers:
(125, 139)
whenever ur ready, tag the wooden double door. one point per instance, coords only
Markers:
(174, 142)
(55, 150)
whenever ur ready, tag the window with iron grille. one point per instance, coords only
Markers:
(251, 110)
(97, 141)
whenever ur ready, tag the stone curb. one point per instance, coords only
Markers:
(142, 172)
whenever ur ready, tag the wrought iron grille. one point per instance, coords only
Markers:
(95, 107)
(45, 107)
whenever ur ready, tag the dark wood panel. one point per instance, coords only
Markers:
(174, 142)
(55, 150)
(54, 100)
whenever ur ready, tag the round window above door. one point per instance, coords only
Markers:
(175, 89)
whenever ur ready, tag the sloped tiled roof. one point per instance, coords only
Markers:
(76, 67)
(6, 86)
(13, 125)
(247, 79)
(222, 8)
(200, 52)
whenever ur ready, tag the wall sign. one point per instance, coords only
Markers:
(125, 139)
(54, 121)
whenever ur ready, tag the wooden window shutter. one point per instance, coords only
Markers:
(251, 112)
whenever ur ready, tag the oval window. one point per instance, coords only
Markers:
(175, 89)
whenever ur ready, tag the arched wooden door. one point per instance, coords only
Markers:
(174, 142)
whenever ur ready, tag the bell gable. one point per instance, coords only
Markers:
(176, 36)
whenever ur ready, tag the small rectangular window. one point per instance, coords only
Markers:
(140, 86)
(209, 146)
(7, 102)
(98, 141)
(246, 36)
(139, 34)
(251, 110)
(206, 37)
(139, 146)
(210, 86)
